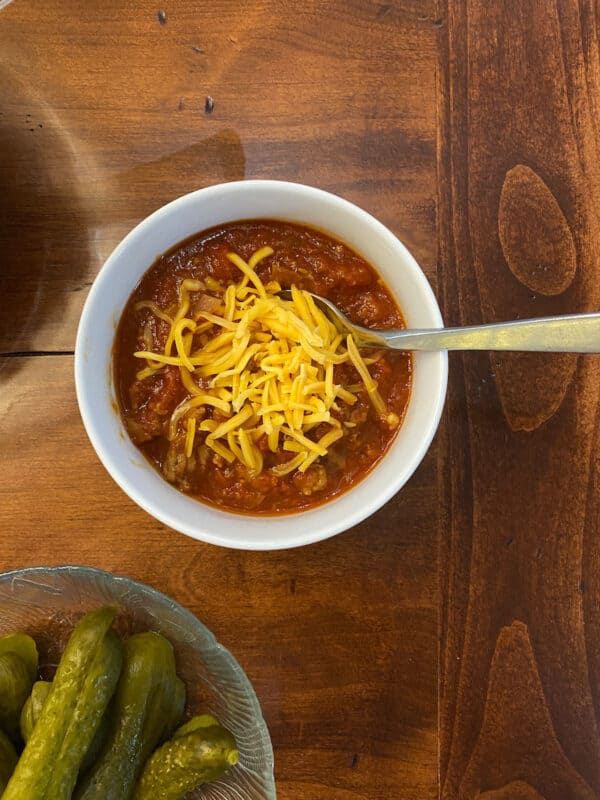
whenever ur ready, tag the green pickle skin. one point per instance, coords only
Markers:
(25, 647)
(8, 760)
(98, 688)
(32, 710)
(38, 761)
(175, 713)
(142, 713)
(202, 753)
(15, 688)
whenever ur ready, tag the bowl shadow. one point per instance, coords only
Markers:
(43, 224)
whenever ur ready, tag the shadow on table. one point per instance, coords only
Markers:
(140, 190)
(43, 243)
(115, 202)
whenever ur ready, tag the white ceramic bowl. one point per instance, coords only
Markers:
(120, 274)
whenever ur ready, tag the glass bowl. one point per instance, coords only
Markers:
(46, 602)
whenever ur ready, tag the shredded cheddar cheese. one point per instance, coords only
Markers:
(265, 368)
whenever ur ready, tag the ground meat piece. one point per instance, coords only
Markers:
(147, 335)
(265, 482)
(358, 414)
(140, 392)
(175, 463)
(381, 370)
(383, 374)
(287, 276)
(171, 393)
(161, 392)
(218, 461)
(153, 400)
(204, 455)
(369, 309)
(241, 495)
(313, 480)
(143, 430)
(355, 275)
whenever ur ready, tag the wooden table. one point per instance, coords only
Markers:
(450, 645)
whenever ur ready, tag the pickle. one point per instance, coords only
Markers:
(98, 688)
(164, 714)
(143, 710)
(32, 710)
(175, 711)
(97, 742)
(8, 760)
(24, 646)
(199, 721)
(15, 688)
(34, 769)
(187, 760)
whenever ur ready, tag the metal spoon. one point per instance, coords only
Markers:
(572, 333)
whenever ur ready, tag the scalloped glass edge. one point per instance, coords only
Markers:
(81, 572)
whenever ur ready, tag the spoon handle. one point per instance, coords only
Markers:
(576, 333)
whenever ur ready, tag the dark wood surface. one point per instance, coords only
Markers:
(449, 645)
(518, 236)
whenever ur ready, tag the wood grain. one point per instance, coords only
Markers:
(343, 657)
(102, 120)
(450, 645)
(518, 236)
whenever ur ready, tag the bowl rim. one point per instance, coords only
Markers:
(351, 517)
(190, 619)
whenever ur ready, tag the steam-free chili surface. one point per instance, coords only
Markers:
(311, 260)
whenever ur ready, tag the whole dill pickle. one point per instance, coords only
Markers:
(8, 760)
(144, 698)
(98, 688)
(32, 710)
(187, 760)
(34, 769)
(24, 646)
(15, 688)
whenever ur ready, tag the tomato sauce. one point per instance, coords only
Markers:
(311, 260)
